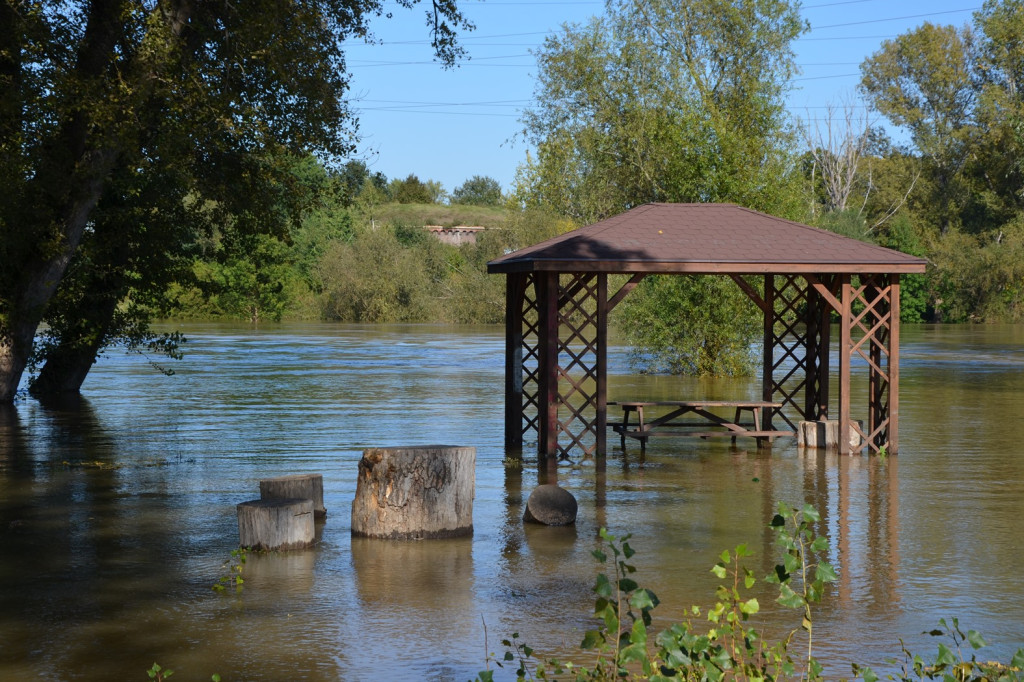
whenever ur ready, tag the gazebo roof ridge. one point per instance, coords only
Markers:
(700, 238)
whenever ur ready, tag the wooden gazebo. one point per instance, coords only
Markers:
(558, 304)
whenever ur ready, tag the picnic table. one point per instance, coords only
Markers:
(707, 424)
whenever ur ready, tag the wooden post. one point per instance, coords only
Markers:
(298, 486)
(768, 353)
(415, 492)
(845, 344)
(276, 524)
(601, 408)
(547, 393)
(894, 364)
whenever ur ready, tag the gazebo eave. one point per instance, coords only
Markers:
(703, 268)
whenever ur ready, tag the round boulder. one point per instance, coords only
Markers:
(550, 505)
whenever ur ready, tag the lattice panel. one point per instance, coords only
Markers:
(531, 358)
(791, 363)
(577, 365)
(870, 337)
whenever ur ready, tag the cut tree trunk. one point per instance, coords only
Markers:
(415, 492)
(301, 486)
(276, 524)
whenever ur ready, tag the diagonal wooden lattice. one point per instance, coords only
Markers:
(577, 365)
(789, 367)
(869, 338)
(530, 366)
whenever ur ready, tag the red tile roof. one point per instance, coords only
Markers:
(704, 238)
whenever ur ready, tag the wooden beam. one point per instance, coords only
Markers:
(750, 292)
(624, 290)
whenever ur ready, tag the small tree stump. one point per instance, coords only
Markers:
(551, 505)
(297, 487)
(415, 492)
(276, 524)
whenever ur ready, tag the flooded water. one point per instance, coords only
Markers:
(117, 515)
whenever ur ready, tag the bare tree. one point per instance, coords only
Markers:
(837, 143)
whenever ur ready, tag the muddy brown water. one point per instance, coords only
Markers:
(117, 513)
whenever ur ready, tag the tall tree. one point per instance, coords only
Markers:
(923, 81)
(92, 91)
(668, 101)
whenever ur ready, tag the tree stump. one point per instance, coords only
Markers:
(276, 524)
(551, 505)
(415, 492)
(297, 487)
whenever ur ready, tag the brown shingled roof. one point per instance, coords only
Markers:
(704, 238)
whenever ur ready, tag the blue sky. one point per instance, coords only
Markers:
(448, 125)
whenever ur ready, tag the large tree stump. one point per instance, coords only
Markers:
(276, 524)
(415, 492)
(296, 487)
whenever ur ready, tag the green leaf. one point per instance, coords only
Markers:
(627, 550)
(946, 656)
(627, 584)
(820, 544)
(643, 599)
(976, 640)
(742, 551)
(719, 570)
(726, 557)
(811, 514)
(825, 572)
(1018, 659)
(750, 607)
(868, 675)
(599, 555)
(789, 598)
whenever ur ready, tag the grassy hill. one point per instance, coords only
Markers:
(441, 214)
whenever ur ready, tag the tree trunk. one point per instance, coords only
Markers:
(415, 492)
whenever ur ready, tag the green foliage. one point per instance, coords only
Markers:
(478, 190)
(159, 674)
(949, 663)
(674, 102)
(664, 102)
(162, 102)
(725, 646)
(233, 566)
(690, 325)
(412, 191)
(720, 643)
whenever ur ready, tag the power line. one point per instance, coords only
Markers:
(909, 16)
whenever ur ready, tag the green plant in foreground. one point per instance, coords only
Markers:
(949, 663)
(724, 646)
(234, 566)
(160, 674)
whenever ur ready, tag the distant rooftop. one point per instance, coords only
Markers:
(704, 239)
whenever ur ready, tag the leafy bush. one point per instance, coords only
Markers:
(720, 643)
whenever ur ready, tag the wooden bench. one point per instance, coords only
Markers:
(668, 424)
